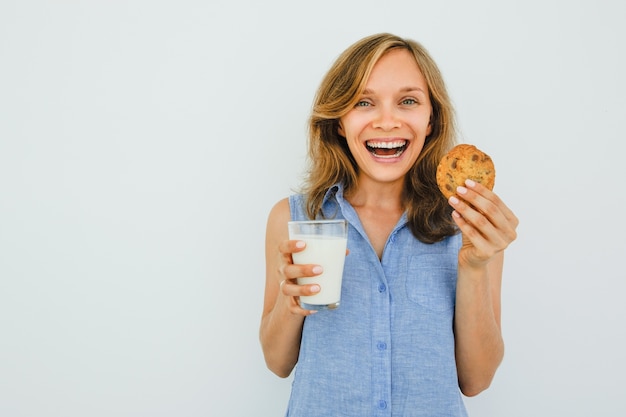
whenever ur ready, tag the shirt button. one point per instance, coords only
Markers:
(382, 404)
(382, 288)
(381, 345)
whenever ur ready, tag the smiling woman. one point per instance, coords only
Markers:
(421, 282)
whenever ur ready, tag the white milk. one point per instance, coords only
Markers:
(330, 253)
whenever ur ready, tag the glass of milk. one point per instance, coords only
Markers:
(326, 242)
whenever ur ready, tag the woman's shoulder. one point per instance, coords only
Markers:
(277, 220)
(280, 209)
(288, 207)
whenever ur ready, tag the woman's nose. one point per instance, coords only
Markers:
(386, 118)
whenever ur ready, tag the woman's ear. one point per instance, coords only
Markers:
(340, 130)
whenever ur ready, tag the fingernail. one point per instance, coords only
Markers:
(455, 214)
(300, 244)
(470, 183)
(454, 200)
(318, 269)
(315, 288)
(461, 190)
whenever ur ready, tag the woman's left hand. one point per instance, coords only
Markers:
(487, 224)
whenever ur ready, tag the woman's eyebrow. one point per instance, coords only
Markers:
(407, 89)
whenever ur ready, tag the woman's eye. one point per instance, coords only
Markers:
(362, 103)
(409, 101)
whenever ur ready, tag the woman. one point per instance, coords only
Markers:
(419, 321)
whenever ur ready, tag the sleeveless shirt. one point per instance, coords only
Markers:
(388, 350)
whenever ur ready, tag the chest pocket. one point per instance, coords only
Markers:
(431, 284)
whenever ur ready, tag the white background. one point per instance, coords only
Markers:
(142, 144)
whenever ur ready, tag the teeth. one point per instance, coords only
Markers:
(387, 145)
(381, 149)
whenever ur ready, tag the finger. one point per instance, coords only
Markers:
(489, 195)
(470, 209)
(292, 289)
(287, 247)
(484, 210)
(292, 271)
(295, 308)
(479, 229)
(472, 235)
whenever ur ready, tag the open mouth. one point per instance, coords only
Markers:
(391, 149)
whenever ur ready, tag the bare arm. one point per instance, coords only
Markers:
(487, 231)
(282, 318)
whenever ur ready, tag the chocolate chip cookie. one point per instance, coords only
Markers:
(463, 162)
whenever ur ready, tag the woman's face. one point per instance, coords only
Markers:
(387, 128)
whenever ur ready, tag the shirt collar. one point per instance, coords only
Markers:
(334, 197)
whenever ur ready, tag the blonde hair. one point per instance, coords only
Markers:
(330, 161)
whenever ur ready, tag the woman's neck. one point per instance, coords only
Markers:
(377, 195)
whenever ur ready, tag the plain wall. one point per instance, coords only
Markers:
(143, 143)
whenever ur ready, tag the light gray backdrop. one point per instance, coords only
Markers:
(142, 144)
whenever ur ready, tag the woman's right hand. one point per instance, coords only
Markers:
(289, 272)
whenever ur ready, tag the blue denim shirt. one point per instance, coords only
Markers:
(388, 350)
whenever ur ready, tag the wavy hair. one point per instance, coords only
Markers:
(330, 160)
